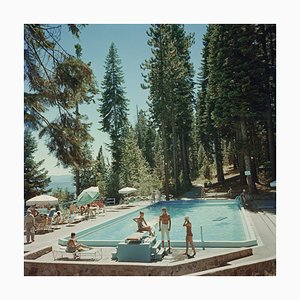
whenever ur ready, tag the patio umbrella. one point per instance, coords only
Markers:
(42, 200)
(127, 190)
(88, 195)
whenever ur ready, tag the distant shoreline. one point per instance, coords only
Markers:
(62, 181)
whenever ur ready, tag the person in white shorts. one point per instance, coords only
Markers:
(165, 227)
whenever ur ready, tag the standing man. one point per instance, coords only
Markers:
(165, 227)
(29, 226)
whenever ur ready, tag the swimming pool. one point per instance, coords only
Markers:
(223, 224)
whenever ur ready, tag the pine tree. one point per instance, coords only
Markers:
(113, 106)
(146, 137)
(134, 170)
(36, 180)
(235, 85)
(87, 176)
(169, 80)
(101, 173)
(56, 80)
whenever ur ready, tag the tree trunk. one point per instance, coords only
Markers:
(77, 178)
(175, 156)
(247, 157)
(240, 156)
(253, 139)
(77, 171)
(166, 161)
(270, 126)
(218, 159)
(185, 161)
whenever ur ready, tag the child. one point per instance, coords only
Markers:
(189, 237)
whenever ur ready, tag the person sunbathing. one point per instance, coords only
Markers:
(73, 246)
(141, 221)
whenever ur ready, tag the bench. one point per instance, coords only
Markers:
(60, 253)
(110, 201)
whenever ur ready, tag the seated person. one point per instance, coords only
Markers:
(57, 218)
(141, 228)
(88, 210)
(82, 210)
(72, 208)
(73, 246)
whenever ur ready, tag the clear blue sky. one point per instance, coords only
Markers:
(131, 42)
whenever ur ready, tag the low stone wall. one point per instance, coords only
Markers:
(259, 268)
(39, 253)
(74, 268)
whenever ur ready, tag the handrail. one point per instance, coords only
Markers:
(202, 241)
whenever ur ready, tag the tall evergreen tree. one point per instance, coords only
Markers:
(113, 106)
(101, 173)
(36, 180)
(146, 137)
(169, 80)
(134, 170)
(267, 39)
(87, 176)
(235, 86)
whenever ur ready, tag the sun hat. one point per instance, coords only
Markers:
(187, 218)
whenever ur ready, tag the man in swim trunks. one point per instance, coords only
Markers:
(73, 246)
(165, 227)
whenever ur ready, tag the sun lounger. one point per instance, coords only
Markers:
(76, 219)
(61, 253)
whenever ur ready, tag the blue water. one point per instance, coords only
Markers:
(220, 220)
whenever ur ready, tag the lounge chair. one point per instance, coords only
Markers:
(60, 253)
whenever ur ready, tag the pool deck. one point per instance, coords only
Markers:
(262, 217)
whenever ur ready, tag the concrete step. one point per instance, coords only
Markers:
(159, 254)
(156, 246)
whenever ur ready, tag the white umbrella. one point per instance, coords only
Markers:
(42, 200)
(127, 190)
(88, 195)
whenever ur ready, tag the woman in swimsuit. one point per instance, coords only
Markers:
(189, 237)
(140, 221)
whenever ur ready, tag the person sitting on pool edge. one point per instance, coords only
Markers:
(140, 221)
(73, 246)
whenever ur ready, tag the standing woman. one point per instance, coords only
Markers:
(189, 237)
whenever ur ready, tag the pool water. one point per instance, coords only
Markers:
(221, 220)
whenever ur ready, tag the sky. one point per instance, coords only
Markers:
(131, 43)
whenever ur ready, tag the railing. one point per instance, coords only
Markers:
(202, 241)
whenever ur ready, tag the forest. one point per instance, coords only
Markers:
(193, 128)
